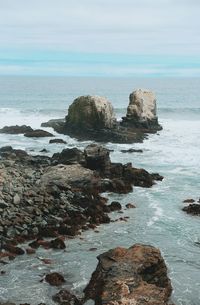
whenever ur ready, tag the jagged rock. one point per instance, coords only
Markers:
(193, 209)
(57, 141)
(137, 275)
(69, 156)
(97, 158)
(91, 112)
(189, 200)
(16, 129)
(141, 111)
(38, 133)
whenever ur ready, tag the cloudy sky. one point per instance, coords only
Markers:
(100, 37)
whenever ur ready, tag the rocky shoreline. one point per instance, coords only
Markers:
(58, 197)
(46, 200)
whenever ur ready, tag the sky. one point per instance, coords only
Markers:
(120, 38)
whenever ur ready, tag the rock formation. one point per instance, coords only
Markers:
(92, 118)
(91, 112)
(141, 111)
(134, 276)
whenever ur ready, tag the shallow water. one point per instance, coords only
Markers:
(158, 218)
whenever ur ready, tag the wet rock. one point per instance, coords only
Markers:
(193, 209)
(137, 275)
(189, 200)
(44, 150)
(130, 206)
(115, 206)
(132, 150)
(38, 133)
(97, 158)
(64, 297)
(68, 156)
(57, 141)
(16, 129)
(55, 279)
(14, 250)
(57, 243)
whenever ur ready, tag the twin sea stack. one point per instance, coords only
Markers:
(93, 118)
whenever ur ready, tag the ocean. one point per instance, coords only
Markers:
(158, 219)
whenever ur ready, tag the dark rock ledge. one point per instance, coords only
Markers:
(59, 196)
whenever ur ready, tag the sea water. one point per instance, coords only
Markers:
(158, 218)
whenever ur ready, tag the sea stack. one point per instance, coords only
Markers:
(92, 118)
(141, 111)
(91, 112)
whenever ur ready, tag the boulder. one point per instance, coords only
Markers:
(63, 175)
(137, 275)
(65, 297)
(38, 133)
(132, 150)
(55, 279)
(97, 158)
(141, 111)
(16, 129)
(57, 141)
(193, 209)
(69, 156)
(91, 112)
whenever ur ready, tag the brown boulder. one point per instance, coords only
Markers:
(57, 243)
(137, 275)
(64, 297)
(55, 279)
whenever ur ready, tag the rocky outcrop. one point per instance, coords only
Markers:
(193, 209)
(91, 112)
(137, 275)
(64, 297)
(141, 111)
(92, 118)
(57, 141)
(68, 156)
(55, 279)
(40, 197)
(38, 133)
(16, 129)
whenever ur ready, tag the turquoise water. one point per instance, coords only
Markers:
(158, 218)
